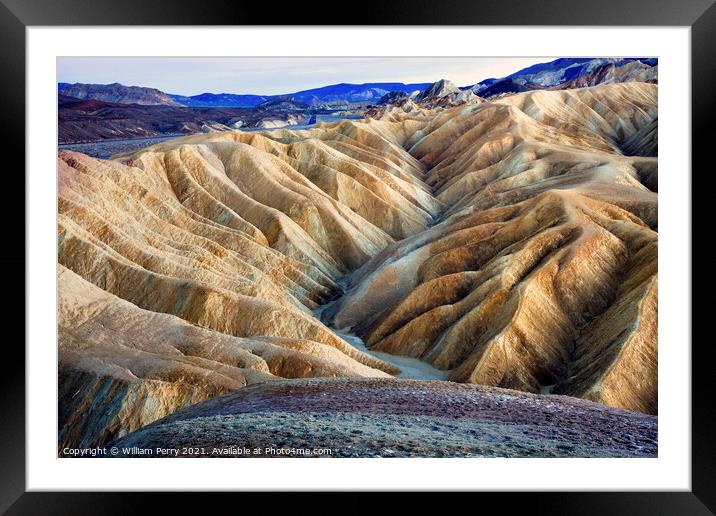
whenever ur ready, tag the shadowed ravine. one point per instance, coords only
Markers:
(411, 368)
(509, 244)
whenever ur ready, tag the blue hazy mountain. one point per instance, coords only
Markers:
(344, 92)
(550, 74)
(219, 100)
(334, 93)
(567, 69)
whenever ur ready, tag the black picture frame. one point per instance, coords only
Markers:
(17, 15)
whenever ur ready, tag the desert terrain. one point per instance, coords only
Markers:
(450, 275)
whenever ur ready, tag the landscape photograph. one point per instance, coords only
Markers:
(357, 257)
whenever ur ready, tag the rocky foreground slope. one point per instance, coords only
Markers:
(393, 418)
(509, 243)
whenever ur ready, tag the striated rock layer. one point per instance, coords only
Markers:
(210, 239)
(510, 243)
(122, 367)
(541, 273)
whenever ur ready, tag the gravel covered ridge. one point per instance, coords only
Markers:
(367, 417)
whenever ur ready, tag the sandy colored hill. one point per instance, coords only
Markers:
(122, 367)
(510, 243)
(235, 233)
(549, 230)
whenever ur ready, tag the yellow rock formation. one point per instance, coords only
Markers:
(512, 243)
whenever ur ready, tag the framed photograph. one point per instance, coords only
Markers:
(426, 251)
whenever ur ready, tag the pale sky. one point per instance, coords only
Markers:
(275, 75)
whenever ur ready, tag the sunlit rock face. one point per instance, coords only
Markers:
(510, 243)
(541, 273)
(236, 235)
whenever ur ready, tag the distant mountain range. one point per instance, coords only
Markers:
(540, 76)
(562, 71)
(368, 92)
(335, 93)
(219, 100)
(332, 94)
(116, 93)
(87, 120)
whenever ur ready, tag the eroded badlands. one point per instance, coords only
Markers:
(510, 243)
